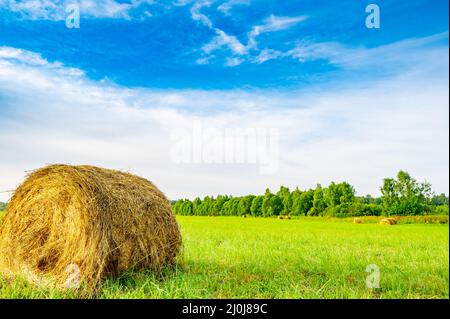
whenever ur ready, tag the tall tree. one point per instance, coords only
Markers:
(256, 208)
(295, 196)
(337, 194)
(305, 202)
(286, 199)
(245, 204)
(319, 204)
(405, 196)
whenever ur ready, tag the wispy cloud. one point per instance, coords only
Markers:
(242, 52)
(222, 39)
(272, 24)
(198, 16)
(405, 51)
(227, 6)
(56, 10)
(267, 55)
(239, 50)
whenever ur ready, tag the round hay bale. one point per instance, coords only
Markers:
(101, 222)
(357, 220)
(388, 221)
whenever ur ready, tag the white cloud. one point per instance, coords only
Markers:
(55, 10)
(307, 51)
(222, 39)
(226, 7)
(268, 54)
(233, 61)
(359, 133)
(30, 58)
(235, 46)
(198, 16)
(396, 54)
(272, 24)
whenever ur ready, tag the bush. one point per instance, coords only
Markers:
(370, 210)
(409, 208)
(430, 219)
(353, 210)
(440, 210)
(342, 210)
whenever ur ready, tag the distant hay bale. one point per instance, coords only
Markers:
(284, 217)
(357, 220)
(99, 221)
(388, 221)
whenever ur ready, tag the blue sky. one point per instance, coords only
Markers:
(341, 94)
(164, 50)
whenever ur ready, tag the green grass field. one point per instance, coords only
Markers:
(232, 257)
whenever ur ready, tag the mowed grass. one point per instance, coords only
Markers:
(232, 257)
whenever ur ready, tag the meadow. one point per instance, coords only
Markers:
(235, 257)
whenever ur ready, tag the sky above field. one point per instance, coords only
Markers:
(347, 102)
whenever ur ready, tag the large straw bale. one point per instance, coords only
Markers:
(388, 221)
(98, 221)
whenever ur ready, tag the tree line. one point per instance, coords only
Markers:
(400, 196)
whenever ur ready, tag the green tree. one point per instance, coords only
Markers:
(319, 204)
(368, 199)
(295, 196)
(332, 195)
(437, 200)
(272, 204)
(303, 202)
(207, 206)
(285, 195)
(337, 194)
(176, 206)
(226, 208)
(256, 208)
(245, 203)
(347, 193)
(186, 207)
(235, 206)
(218, 205)
(196, 206)
(405, 196)
(276, 205)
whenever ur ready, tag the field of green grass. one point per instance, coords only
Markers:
(232, 257)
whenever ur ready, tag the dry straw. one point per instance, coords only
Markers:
(388, 221)
(101, 222)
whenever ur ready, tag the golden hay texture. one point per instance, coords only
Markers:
(98, 221)
(388, 221)
(357, 220)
